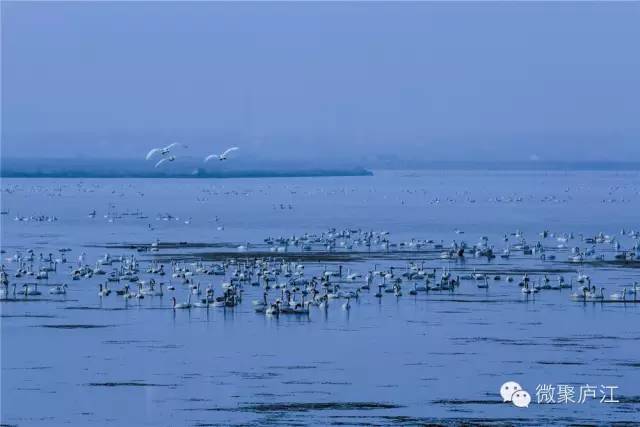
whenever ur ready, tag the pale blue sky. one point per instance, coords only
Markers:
(361, 80)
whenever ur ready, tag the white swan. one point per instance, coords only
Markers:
(484, 285)
(593, 296)
(182, 305)
(324, 304)
(31, 291)
(58, 290)
(165, 159)
(163, 150)
(274, 309)
(205, 302)
(104, 290)
(222, 156)
(619, 296)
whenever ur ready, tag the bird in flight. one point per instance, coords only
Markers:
(222, 156)
(163, 150)
(165, 159)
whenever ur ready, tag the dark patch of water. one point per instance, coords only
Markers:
(76, 326)
(129, 384)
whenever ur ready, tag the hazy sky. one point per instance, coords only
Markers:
(354, 80)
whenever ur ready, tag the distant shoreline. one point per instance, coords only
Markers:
(518, 166)
(206, 175)
(131, 168)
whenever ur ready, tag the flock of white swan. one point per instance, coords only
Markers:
(166, 155)
(286, 285)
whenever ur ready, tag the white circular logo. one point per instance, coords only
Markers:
(507, 390)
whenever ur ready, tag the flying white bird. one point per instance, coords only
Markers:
(222, 156)
(165, 159)
(163, 151)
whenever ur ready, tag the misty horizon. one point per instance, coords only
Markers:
(374, 84)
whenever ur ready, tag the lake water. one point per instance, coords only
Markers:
(435, 357)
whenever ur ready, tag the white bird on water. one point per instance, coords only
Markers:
(163, 150)
(165, 159)
(222, 156)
